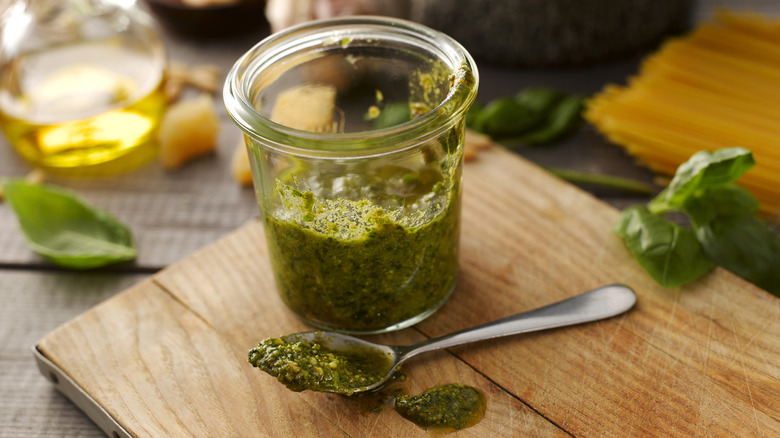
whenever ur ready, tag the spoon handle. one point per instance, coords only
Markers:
(593, 305)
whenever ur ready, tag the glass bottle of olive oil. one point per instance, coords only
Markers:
(80, 84)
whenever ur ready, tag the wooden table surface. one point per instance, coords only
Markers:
(172, 214)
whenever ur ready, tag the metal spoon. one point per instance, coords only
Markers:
(593, 305)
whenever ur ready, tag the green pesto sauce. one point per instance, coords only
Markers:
(454, 406)
(301, 366)
(365, 265)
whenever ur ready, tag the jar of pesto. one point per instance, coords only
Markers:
(354, 129)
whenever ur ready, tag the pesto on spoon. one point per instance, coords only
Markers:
(334, 362)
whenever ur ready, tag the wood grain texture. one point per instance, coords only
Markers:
(702, 357)
(236, 295)
(33, 304)
(700, 330)
(165, 371)
(698, 360)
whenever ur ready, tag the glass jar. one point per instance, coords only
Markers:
(80, 84)
(354, 129)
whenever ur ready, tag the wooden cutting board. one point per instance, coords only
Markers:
(168, 356)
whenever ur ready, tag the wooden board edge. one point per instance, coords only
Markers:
(76, 394)
(56, 371)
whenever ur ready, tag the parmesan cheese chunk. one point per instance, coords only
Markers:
(306, 107)
(188, 129)
(240, 167)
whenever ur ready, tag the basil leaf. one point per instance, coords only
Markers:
(561, 121)
(540, 99)
(507, 117)
(744, 245)
(704, 170)
(722, 201)
(668, 252)
(63, 228)
(391, 115)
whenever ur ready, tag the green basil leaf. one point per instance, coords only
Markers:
(392, 114)
(506, 117)
(669, 253)
(560, 121)
(744, 245)
(63, 228)
(540, 99)
(704, 170)
(721, 201)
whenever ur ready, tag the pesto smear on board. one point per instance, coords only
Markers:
(370, 249)
(446, 407)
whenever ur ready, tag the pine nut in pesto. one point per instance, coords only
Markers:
(360, 202)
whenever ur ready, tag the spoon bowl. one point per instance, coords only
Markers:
(384, 360)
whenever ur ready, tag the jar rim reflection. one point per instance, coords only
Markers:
(282, 49)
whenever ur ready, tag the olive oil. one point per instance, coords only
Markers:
(84, 107)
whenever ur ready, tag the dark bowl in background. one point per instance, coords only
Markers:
(554, 33)
(243, 16)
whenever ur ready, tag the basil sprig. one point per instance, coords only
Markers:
(702, 172)
(65, 229)
(535, 116)
(723, 231)
(668, 252)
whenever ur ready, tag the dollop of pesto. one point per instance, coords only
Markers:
(454, 406)
(302, 365)
(357, 263)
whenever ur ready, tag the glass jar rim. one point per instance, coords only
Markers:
(361, 143)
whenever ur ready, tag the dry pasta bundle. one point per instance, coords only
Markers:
(717, 87)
